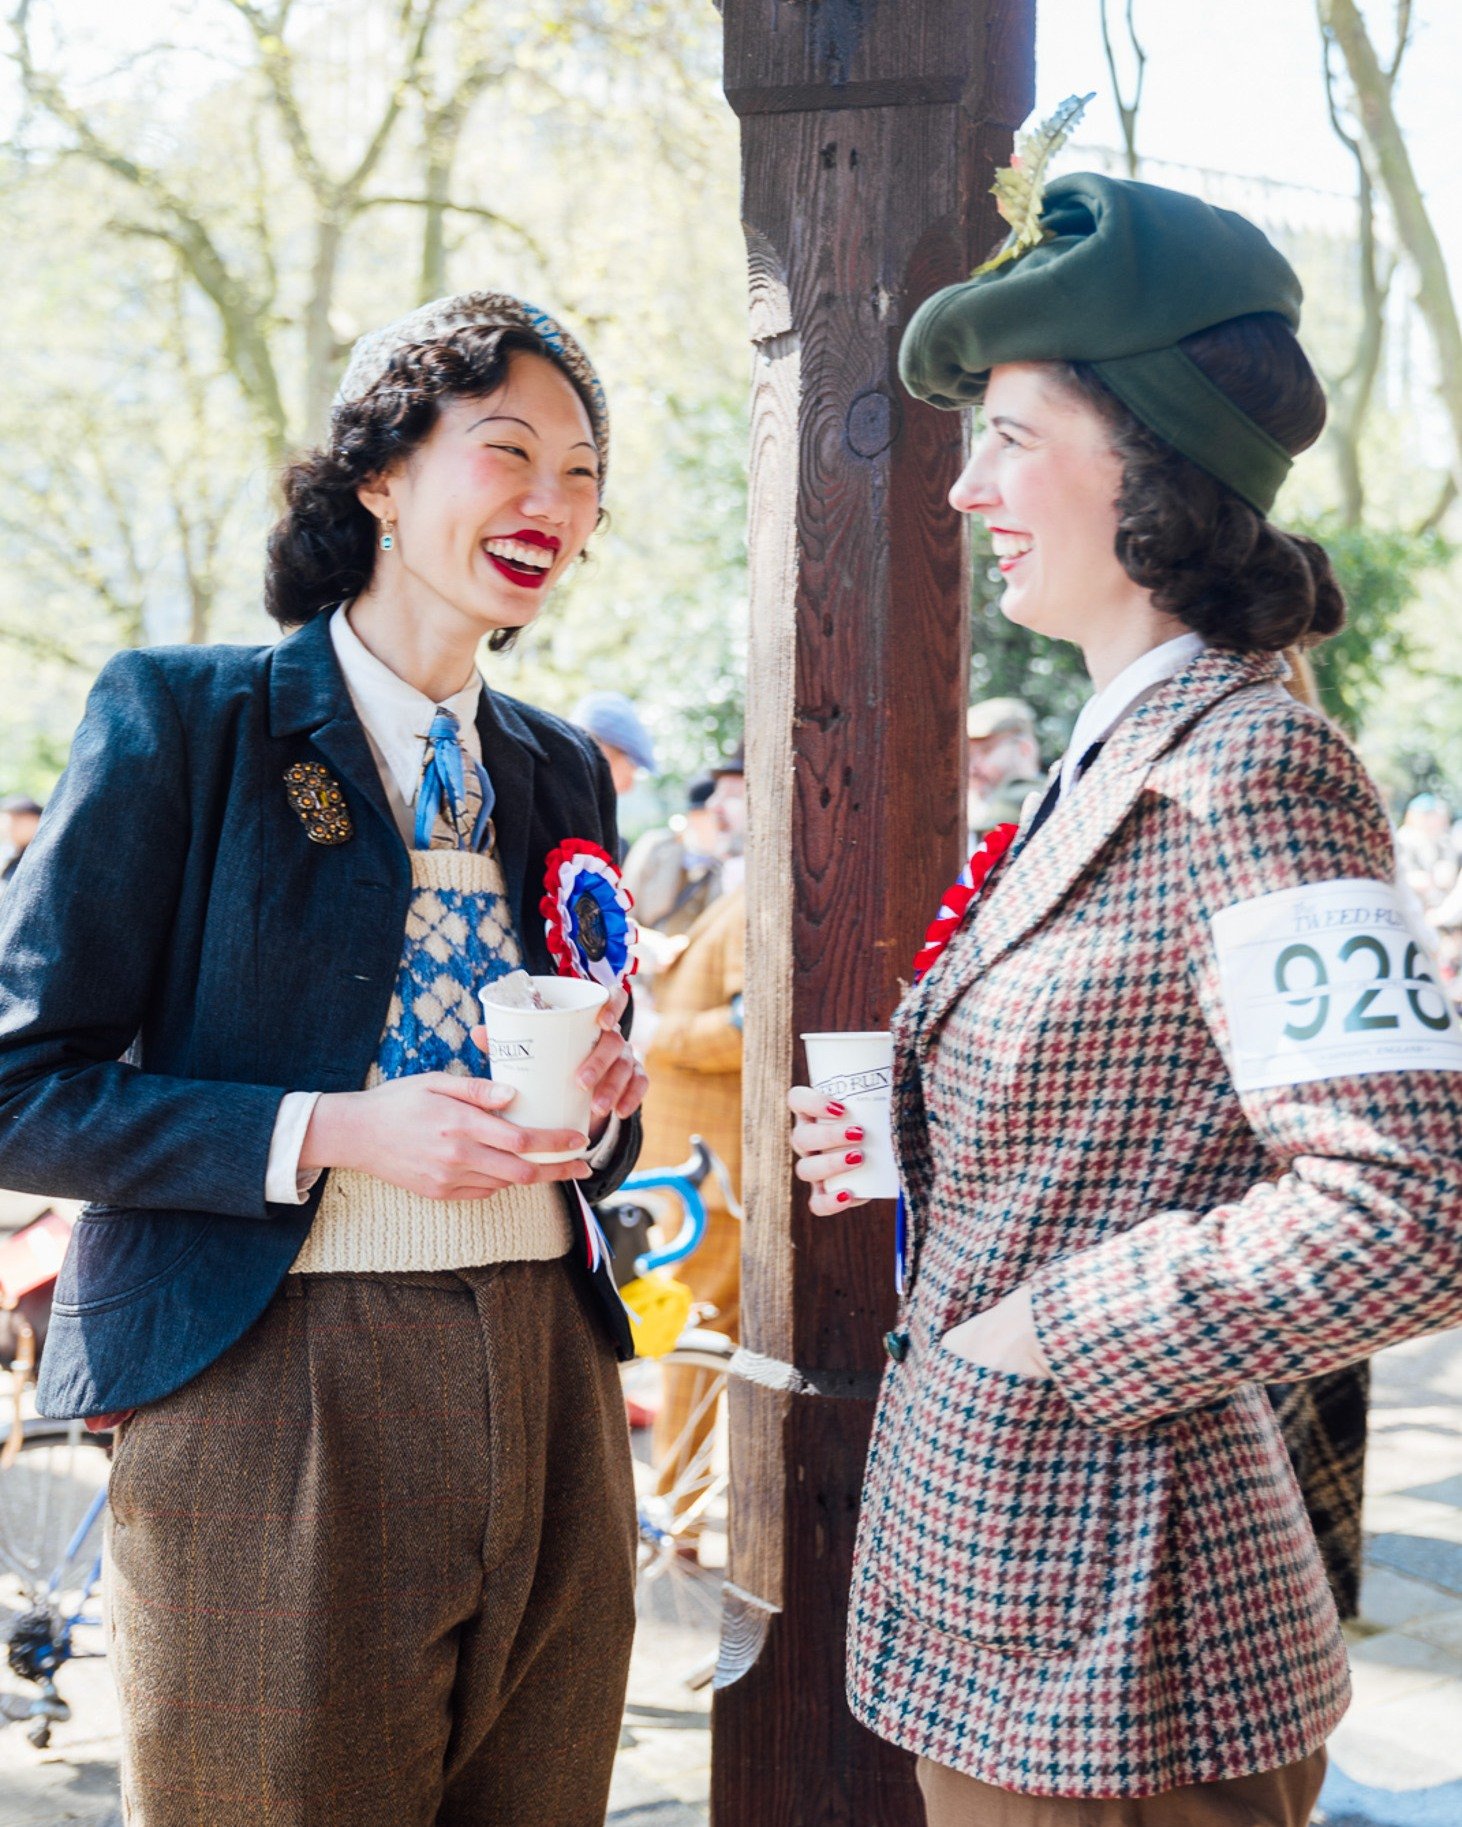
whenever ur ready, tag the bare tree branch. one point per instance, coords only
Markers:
(276, 64)
(44, 646)
(1403, 39)
(185, 233)
(1127, 109)
(1446, 495)
(1352, 390)
(477, 210)
(1386, 144)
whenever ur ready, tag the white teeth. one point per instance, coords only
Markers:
(1010, 545)
(518, 553)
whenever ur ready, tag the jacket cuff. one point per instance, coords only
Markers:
(284, 1184)
(610, 1174)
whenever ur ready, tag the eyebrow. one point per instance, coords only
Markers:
(1003, 420)
(512, 419)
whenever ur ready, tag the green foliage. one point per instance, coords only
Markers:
(1379, 570)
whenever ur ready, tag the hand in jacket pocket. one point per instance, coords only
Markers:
(1002, 1338)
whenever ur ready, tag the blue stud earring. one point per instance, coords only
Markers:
(388, 535)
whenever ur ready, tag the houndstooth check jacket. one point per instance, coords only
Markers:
(1106, 1584)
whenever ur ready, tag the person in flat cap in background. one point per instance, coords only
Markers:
(1176, 1104)
(1002, 763)
(728, 801)
(372, 1522)
(20, 818)
(615, 725)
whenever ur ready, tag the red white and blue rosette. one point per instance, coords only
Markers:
(586, 913)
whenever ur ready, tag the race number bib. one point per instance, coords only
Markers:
(1330, 980)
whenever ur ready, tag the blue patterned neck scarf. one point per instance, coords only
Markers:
(455, 800)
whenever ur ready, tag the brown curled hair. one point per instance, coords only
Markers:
(1206, 555)
(322, 549)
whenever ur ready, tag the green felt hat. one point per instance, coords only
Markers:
(1127, 270)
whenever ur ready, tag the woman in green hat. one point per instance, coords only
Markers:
(1176, 1094)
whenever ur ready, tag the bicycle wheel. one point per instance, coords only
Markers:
(682, 1491)
(44, 1496)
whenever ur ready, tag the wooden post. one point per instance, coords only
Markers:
(870, 133)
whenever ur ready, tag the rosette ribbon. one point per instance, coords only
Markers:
(586, 913)
(946, 923)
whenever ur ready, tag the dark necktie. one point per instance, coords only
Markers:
(1053, 793)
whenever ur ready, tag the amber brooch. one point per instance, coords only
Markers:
(319, 803)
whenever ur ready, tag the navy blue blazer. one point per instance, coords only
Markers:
(172, 910)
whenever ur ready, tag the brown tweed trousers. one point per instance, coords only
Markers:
(1105, 1584)
(375, 1566)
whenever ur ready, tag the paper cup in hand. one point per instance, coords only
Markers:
(539, 1052)
(856, 1070)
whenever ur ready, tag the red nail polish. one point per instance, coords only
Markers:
(853, 1135)
(844, 1197)
(853, 1160)
(837, 1110)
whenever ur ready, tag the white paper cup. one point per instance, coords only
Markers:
(539, 1052)
(856, 1070)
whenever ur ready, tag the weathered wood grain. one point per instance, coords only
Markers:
(870, 129)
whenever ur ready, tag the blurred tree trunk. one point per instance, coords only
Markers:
(1375, 109)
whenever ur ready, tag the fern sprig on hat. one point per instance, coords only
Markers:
(1020, 187)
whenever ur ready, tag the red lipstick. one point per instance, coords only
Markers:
(524, 575)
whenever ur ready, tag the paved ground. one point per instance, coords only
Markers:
(1396, 1760)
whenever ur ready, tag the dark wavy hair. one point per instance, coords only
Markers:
(1207, 556)
(322, 549)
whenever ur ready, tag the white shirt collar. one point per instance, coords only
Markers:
(396, 715)
(1102, 712)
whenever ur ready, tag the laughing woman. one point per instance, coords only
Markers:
(1177, 1107)
(371, 1515)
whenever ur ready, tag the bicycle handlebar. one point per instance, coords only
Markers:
(684, 1181)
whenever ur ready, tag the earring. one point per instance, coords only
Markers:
(388, 535)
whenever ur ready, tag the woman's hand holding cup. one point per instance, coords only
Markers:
(827, 1142)
(437, 1134)
(613, 1077)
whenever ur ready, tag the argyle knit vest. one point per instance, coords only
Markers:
(459, 936)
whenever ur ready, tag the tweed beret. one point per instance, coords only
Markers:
(373, 354)
(1126, 272)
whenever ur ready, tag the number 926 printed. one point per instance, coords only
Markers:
(1330, 980)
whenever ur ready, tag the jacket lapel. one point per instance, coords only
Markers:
(1034, 882)
(308, 696)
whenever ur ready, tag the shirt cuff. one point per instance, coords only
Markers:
(284, 1184)
(602, 1153)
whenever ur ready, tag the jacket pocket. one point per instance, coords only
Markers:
(117, 1253)
(998, 1513)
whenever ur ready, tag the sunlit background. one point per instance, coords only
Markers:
(200, 213)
